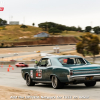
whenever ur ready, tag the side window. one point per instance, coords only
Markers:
(79, 61)
(43, 62)
(65, 61)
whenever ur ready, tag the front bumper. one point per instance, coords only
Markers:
(79, 78)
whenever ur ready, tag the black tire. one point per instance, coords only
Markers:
(29, 81)
(56, 83)
(90, 84)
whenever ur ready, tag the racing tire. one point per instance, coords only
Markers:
(90, 84)
(29, 81)
(56, 84)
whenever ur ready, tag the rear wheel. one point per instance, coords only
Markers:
(56, 83)
(29, 81)
(90, 84)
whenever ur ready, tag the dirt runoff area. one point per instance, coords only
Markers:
(9, 93)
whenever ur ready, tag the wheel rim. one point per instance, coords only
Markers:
(54, 82)
(28, 80)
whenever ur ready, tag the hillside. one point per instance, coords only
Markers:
(13, 34)
(50, 41)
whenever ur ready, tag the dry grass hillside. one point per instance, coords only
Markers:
(13, 32)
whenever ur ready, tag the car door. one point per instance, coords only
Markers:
(39, 76)
(48, 70)
(43, 71)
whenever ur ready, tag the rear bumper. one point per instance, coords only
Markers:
(96, 77)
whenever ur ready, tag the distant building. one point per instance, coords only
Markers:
(41, 34)
(14, 23)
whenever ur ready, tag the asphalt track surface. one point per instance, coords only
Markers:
(31, 50)
(14, 79)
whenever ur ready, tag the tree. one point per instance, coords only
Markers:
(47, 25)
(61, 27)
(43, 26)
(23, 26)
(73, 28)
(88, 28)
(96, 29)
(79, 29)
(33, 24)
(54, 30)
(2, 22)
(88, 45)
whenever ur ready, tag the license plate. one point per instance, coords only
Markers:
(89, 78)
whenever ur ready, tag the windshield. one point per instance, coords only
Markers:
(65, 61)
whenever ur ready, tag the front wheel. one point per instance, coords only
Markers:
(56, 83)
(29, 81)
(90, 84)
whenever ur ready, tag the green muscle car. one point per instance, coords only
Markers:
(62, 70)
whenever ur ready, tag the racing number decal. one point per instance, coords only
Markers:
(31, 73)
(39, 73)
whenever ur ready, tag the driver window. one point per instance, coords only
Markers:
(43, 62)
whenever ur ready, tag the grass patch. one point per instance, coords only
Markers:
(13, 32)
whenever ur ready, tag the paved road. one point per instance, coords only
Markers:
(14, 79)
(30, 50)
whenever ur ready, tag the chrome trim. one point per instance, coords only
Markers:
(87, 69)
(86, 72)
(82, 77)
(85, 75)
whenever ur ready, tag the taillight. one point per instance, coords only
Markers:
(71, 72)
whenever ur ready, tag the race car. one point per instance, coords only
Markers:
(62, 70)
(21, 64)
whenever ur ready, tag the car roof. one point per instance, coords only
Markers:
(60, 56)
